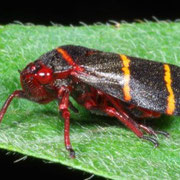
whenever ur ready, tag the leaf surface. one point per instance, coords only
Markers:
(103, 145)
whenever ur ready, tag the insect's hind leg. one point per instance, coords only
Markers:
(113, 110)
(118, 112)
(130, 123)
(145, 113)
(150, 131)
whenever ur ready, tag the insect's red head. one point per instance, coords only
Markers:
(35, 79)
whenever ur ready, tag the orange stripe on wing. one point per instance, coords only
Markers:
(66, 56)
(170, 99)
(126, 71)
(69, 59)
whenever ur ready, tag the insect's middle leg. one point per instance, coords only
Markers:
(89, 99)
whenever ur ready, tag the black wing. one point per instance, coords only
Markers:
(147, 84)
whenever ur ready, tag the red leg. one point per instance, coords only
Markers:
(123, 116)
(63, 108)
(17, 93)
(147, 113)
(129, 122)
(150, 131)
(111, 111)
(116, 110)
(90, 104)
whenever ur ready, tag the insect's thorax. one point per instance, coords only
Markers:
(79, 90)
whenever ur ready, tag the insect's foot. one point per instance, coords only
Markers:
(166, 134)
(148, 130)
(152, 132)
(153, 140)
(71, 153)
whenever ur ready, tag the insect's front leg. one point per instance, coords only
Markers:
(18, 94)
(63, 95)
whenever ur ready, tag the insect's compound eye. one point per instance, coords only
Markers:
(44, 75)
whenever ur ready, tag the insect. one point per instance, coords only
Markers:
(114, 84)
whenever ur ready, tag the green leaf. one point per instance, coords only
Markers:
(103, 146)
